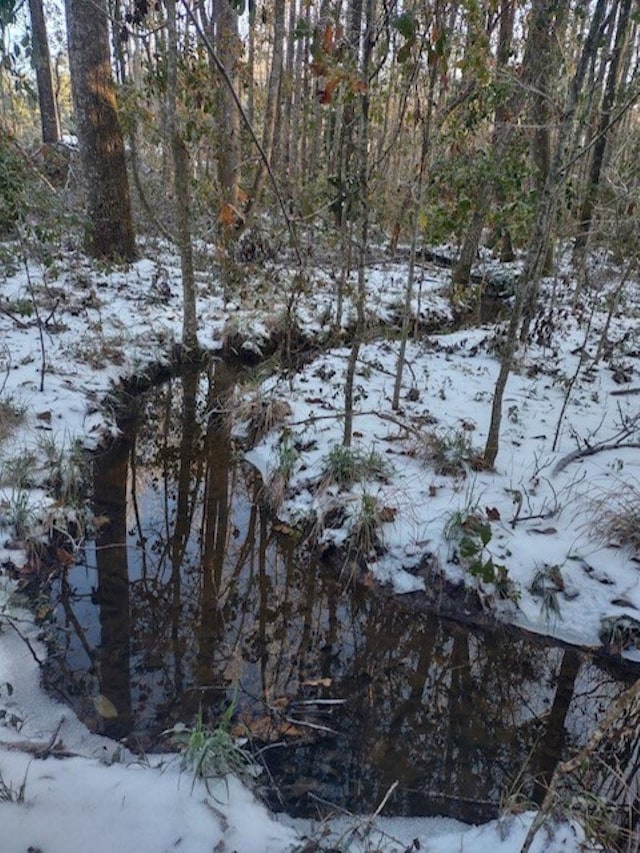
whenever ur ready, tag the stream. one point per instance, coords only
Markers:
(191, 600)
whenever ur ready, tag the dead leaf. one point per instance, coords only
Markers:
(105, 707)
(388, 513)
(544, 531)
(369, 580)
(493, 514)
(64, 558)
(284, 529)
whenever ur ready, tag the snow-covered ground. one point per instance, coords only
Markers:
(538, 523)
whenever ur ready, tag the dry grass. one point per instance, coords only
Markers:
(616, 519)
(10, 419)
(450, 453)
(261, 414)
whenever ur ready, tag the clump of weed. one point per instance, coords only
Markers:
(276, 487)
(471, 533)
(18, 470)
(18, 514)
(261, 414)
(347, 465)
(451, 453)
(364, 539)
(212, 753)
(616, 519)
(11, 416)
(546, 584)
(10, 793)
(66, 472)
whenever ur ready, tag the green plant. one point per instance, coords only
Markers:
(364, 536)
(287, 455)
(346, 465)
(17, 471)
(450, 452)
(19, 514)
(66, 471)
(212, 753)
(11, 416)
(546, 584)
(472, 534)
(10, 794)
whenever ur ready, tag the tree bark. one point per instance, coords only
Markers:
(363, 209)
(181, 188)
(501, 139)
(536, 255)
(597, 157)
(110, 232)
(44, 79)
(272, 110)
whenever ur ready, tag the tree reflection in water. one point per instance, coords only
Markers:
(190, 600)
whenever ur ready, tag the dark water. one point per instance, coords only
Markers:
(191, 600)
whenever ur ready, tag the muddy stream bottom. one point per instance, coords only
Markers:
(190, 601)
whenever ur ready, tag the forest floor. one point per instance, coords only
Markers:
(547, 541)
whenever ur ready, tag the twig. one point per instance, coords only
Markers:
(582, 453)
(385, 799)
(315, 726)
(11, 623)
(623, 392)
(13, 317)
(542, 515)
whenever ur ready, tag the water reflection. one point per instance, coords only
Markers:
(189, 599)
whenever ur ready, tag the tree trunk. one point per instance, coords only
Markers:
(272, 110)
(363, 209)
(502, 134)
(227, 42)
(110, 228)
(181, 185)
(597, 158)
(537, 252)
(44, 78)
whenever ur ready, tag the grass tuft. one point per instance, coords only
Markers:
(616, 519)
(347, 465)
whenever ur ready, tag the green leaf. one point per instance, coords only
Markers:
(484, 532)
(405, 24)
(468, 548)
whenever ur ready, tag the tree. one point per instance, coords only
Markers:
(110, 233)
(602, 131)
(538, 245)
(181, 185)
(44, 79)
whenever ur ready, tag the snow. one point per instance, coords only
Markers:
(82, 791)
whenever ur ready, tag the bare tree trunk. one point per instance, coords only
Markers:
(416, 213)
(110, 228)
(272, 110)
(502, 135)
(181, 182)
(251, 61)
(545, 217)
(363, 206)
(597, 157)
(44, 78)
